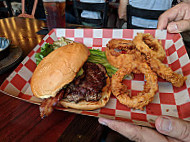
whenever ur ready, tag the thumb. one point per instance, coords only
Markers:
(178, 26)
(133, 132)
(173, 127)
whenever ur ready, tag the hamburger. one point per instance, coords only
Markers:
(65, 78)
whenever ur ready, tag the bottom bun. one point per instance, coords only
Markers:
(91, 105)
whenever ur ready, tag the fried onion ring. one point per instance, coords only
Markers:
(119, 60)
(142, 55)
(143, 98)
(151, 47)
(166, 73)
(121, 44)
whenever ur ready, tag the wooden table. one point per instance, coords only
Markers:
(20, 121)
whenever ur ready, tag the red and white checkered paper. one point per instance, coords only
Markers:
(169, 100)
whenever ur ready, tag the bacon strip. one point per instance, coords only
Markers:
(47, 105)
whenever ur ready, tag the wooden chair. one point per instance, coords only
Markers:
(97, 7)
(141, 13)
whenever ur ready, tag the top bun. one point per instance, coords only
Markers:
(58, 69)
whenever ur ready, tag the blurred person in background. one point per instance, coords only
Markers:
(39, 14)
(161, 5)
(91, 14)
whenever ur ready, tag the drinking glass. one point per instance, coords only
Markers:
(55, 13)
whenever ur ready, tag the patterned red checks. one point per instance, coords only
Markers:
(18, 82)
(168, 101)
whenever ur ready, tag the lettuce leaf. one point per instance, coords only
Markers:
(99, 57)
(45, 50)
(48, 48)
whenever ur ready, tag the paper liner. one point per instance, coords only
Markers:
(169, 100)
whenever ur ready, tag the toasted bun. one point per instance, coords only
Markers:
(58, 69)
(91, 105)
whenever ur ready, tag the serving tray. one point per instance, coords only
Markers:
(169, 100)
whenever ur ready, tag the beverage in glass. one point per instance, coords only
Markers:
(55, 13)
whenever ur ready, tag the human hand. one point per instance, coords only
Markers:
(176, 19)
(122, 13)
(173, 130)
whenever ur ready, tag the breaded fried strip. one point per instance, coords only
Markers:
(166, 73)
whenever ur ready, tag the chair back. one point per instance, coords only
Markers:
(141, 13)
(96, 7)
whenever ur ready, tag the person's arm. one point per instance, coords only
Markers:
(176, 19)
(122, 9)
(173, 130)
(184, 0)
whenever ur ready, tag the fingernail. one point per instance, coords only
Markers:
(173, 27)
(165, 124)
(101, 121)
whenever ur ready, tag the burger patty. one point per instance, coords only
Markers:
(89, 85)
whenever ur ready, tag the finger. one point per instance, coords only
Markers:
(178, 12)
(166, 17)
(162, 22)
(133, 132)
(173, 127)
(178, 26)
(122, 9)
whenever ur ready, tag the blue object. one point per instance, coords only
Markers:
(4, 50)
(4, 43)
